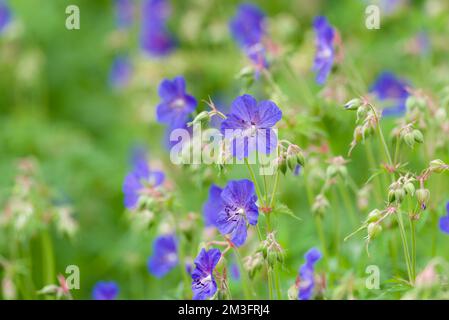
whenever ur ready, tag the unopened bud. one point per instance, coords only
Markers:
(409, 139)
(374, 216)
(423, 196)
(409, 188)
(374, 229)
(292, 293)
(438, 166)
(418, 136)
(353, 104)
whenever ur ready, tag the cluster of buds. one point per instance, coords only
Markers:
(337, 166)
(320, 205)
(289, 157)
(253, 263)
(400, 188)
(367, 120)
(272, 250)
(410, 135)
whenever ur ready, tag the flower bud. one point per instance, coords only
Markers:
(374, 216)
(292, 293)
(399, 195)
(374, 229)
(423, 196)
(409, 188)
(409, 139)
(320, 205)
(438, 166)
(202, 116)
(353, 104)
(391, 196)
(418, 136)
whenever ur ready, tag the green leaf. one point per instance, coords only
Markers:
(283, 209)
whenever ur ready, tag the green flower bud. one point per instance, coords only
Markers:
(399, 195)
(391, 196)
(409, 188)
(353, 104)
(418, 136)
(292, 293)
(292, 161)
(409, 139)
(300, 159)
(331, 171)
(410, 103)
(374, 216)
(202, 116)
(438, 166)
(422, 195)
(374, 229)
(361, 113)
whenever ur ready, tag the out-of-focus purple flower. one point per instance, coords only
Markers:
(324, 44)
(124, 11)
(297, 170)
(120, 72)
(392, 91)
(165, 256)
(105, 290)
(251, 124)
(231, 208)
(306, 274)
(235, 271)
(175, 105)
(444, 221)
(155, 37)
(247, 29)
(5, 15)
(139, 178)
(213, 206)
(203, 281)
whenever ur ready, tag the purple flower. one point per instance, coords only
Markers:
(247, 29)
(231, 208)
(165, 256)
(324, 55)
(306, 274)
(139, 178)
(392, 90)
(235, 271)
(251, 126)
(104, 290)
(5, 15)
(297, 170)
(213, 206)
(120, 72)
(176, 104)
(444, 221)
(124, 10)
(155, 37)
(203, 281)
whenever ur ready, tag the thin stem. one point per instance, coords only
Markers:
(273, 194)
(253, 178)
(245, 278)
(405, 246)
(277, 282)
(270, 284)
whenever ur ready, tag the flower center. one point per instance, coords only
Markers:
(171, 257)
(179, 103)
